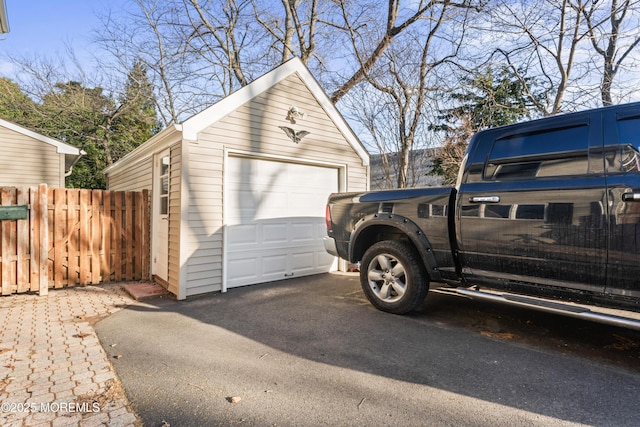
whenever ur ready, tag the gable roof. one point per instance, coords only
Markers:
(71, 153)
(197, 123)
(61, 147)
(190, 128)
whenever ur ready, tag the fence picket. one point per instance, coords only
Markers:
(96, 240)
(23, 251)
(59, 230)
(34, 241)
(107, 226)
(128, 234)
(42, 224)
(5, 245)
(145, 238)
(84, 239)
(116, 240)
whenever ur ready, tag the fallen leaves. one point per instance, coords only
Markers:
(623, 343)
(498, 335)
(81, 335)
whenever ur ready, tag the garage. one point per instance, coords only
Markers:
(239, 190)
(274, 219)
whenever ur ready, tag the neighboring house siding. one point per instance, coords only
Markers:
(27, 161)
(254, 127)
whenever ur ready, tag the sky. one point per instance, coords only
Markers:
(46, 27)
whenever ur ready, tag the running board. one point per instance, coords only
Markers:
(564, 309)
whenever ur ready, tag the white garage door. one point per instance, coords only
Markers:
(274, 215)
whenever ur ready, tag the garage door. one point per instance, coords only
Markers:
(274, 216)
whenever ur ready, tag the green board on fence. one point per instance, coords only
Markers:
(10, 213)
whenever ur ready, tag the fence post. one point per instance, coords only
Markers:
(42, 217)
(5, 244)
(23, 244)
(145, 236)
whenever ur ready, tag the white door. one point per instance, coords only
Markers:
(160, 258)
(274, 217)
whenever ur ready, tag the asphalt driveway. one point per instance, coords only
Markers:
(312, 351)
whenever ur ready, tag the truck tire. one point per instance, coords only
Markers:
(393, 277)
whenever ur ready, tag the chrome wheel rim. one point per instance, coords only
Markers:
(387, 278)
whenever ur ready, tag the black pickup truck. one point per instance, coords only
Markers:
(544, 214)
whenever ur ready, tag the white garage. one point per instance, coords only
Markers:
(239, 190)
(273, 230)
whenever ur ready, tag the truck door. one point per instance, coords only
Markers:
(622, 139)
(532, 210)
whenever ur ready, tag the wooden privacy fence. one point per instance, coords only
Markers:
(71, 237)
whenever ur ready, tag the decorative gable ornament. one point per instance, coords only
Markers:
(293, 135)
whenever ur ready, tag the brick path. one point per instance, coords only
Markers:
(53, 370)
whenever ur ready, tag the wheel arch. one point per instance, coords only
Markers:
(378, 227)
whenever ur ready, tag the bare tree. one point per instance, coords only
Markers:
(614, 33)
(541, 39)
(395, 23)
(295, 32)
(218, 36)
(145, 35)
(406, 79)
(202, 50)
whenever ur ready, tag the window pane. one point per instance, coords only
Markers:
(164, 167)
(164, 184)
(164, 205)
(559, 152)
(556, 141)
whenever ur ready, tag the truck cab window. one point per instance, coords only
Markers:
(548, 153)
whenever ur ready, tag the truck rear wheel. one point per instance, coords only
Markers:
(393, 277)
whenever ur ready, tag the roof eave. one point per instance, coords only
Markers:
(146, 148)
(61, 147)
(197, 123)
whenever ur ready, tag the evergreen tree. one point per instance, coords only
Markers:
(138, 120)
(104, 127)
(490, 100)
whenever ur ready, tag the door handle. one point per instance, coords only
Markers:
(484, 199)
(631, 197)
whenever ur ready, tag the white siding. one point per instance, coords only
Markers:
(254, 127)
(27, 161)
(135, 173)
(136, 178)
(175, 216)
